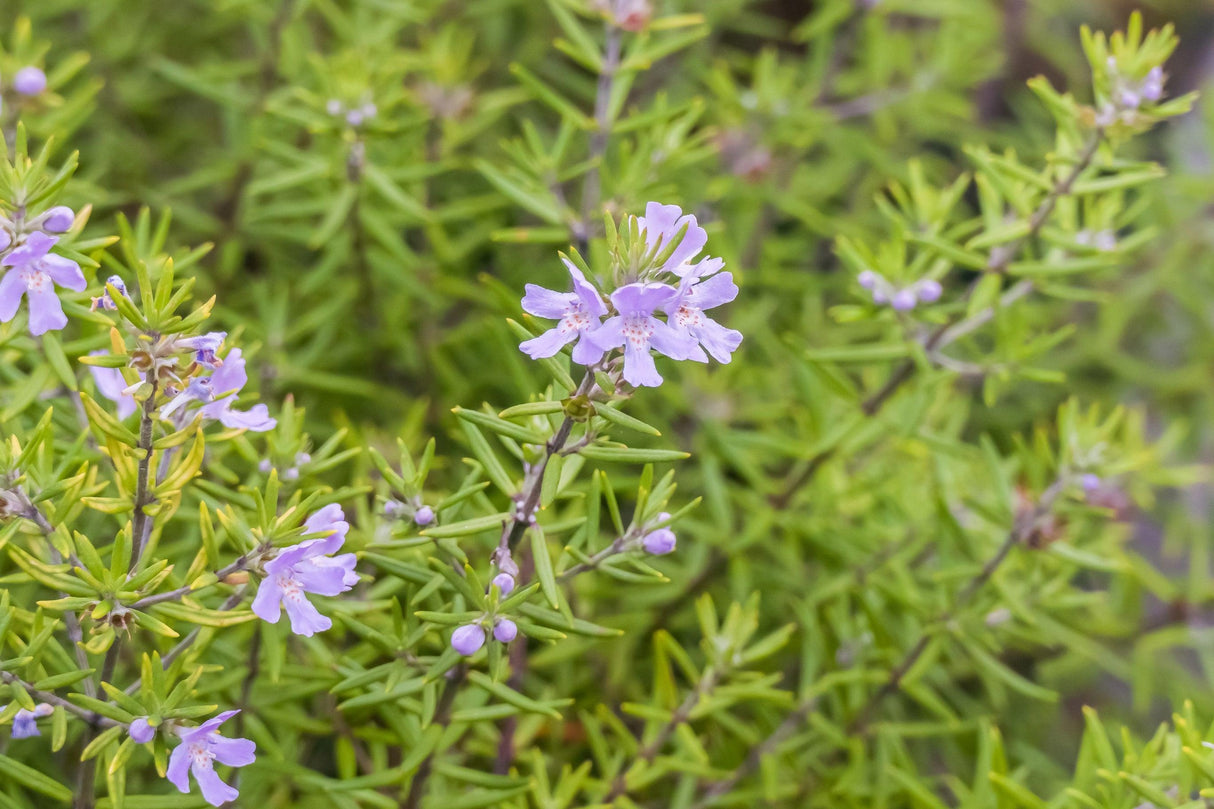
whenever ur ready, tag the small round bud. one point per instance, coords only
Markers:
(929, 291)
(264, 466)
(468, 639)
(1090, 482)
(504, 582)
(867, 279)
(354, 118)
(880, 296)
(29, 81)
(140, 731)
(58, 219)
(1130, 99)
(1105, 240)
(1152, 88)
(904, 300)
(423, 516)
(291, 473)
(505, 630)
(334, 107)
(369, 110)
(659, 542)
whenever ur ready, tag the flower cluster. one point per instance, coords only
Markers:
(1129, 95)
(670, 244)
(308, 567)
(32, 271)
(355, 115)
(902, 299)
(217, 393)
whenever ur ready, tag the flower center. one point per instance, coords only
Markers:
(687, 315)
(201, 755)
(289, 586)
(576, 318)
(638, 330)
(35, 280)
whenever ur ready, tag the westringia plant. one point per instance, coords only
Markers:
(202, 604)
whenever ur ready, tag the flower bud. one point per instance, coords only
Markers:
(659, 542)
(58, 219)
(334, 107)
(504, 582)
(505, 630)
(354, 117)
(468, 639)
(140, 731)
(867, 279)
(904, 300)
(1090, 482)
(423, 516)
(29, 81)
(929, 291)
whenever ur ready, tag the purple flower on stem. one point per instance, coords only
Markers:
(468, 639)
(112, 385)
(686, 314)
(34, 270)
(307, 568)
(867, 279)
(25, 722)
(29, 81)
(218, 393)
(200, 748)
(904, 300)
(662, 224)
(637, 330)
(578, 312)
(505, 630)
(929, 290)
(140, 731)
(104, 301)
(423, 516)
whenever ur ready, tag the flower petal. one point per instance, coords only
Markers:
(267, 604)
(178, 772)
(639, 368)
(12, 288)
(677, 345)
(46, 313)
(64, 272)
(234, 752)
(257, 418)
(548, 344)
(214, 790)
(543, 302)
(720, 341)
(586, 352)
(306, 620)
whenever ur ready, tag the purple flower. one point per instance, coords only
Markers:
(104, 301)
(662, 224)
(140, 731)
(307, 568)
(686, 315)
(661, 541)
(200, 748)
(29, 81)
(204, 348)
(929, 290)
(25, 722)
(904, 300)
(578, 312)
(112, 385)
(467, 639)
(637, 330)
(423, 516)
(504, 582)
(58, 219)
(1090, 482)
(34, 270)
(218, 393)
(505, 630)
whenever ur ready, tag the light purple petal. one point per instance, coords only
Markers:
(212, 724)
(234, 752)
(214, 790)
(46, 313)
(720, 341)
(65, 272)
(306, 620)
(328, 520)
(35, 246)
(111, 384)
(12, 288)
(178, 772)
(585, 291)
(642, 298)
(267, 604)
(548, 344)
(712, 292)
(700, 269)
(231, 375)
(639, 368)
(586, 352)
(693, 242)
(659, 220)
(321, 579)
(673, 343)
(257, 418)
(607, 336)
(345, 562)
(543, 302)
